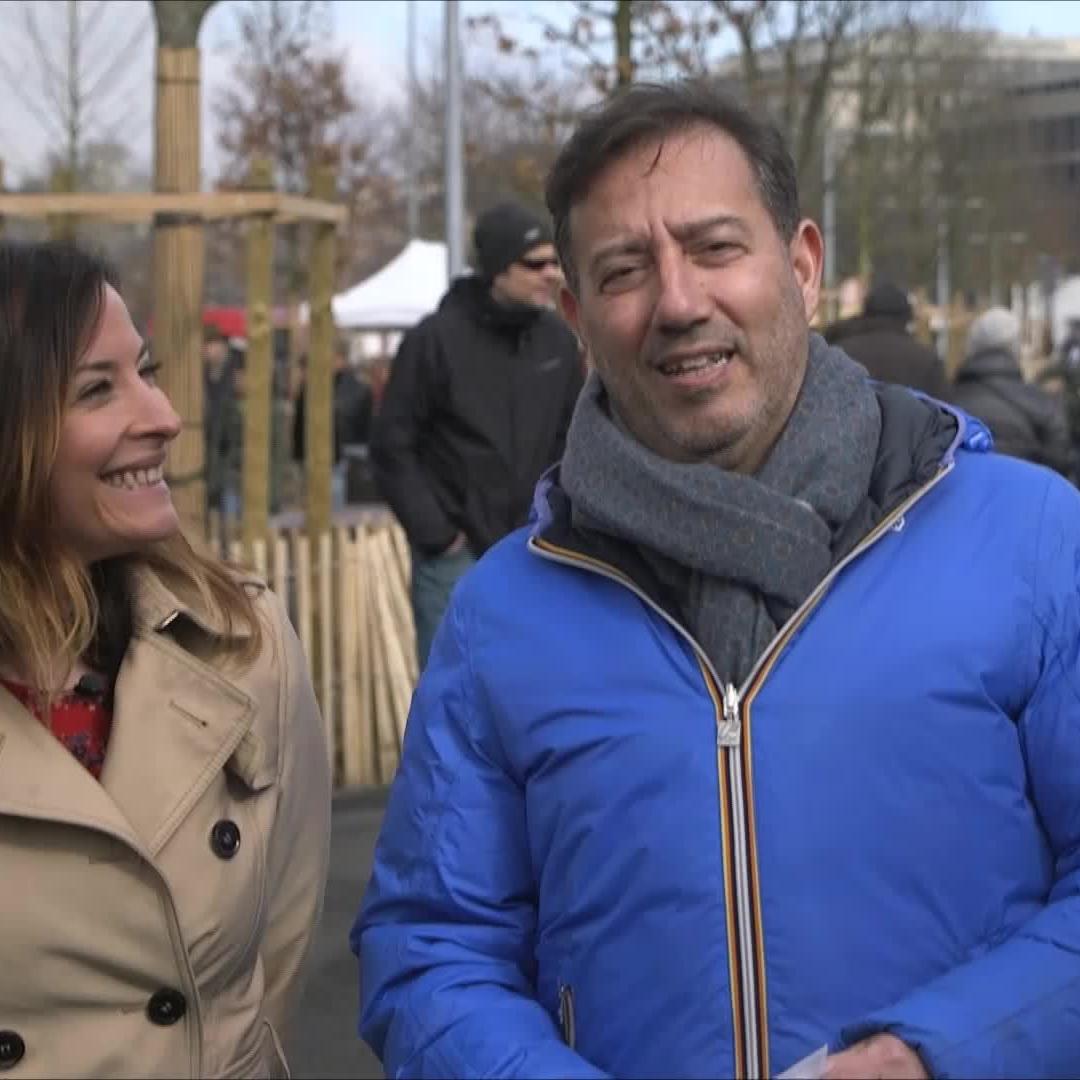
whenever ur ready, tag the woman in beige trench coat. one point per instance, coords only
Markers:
(164, 782)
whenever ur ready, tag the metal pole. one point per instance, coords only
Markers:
(454, 165)
(413, 179)
(943, 284)
(828, 209)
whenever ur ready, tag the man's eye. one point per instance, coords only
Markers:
(614, 277)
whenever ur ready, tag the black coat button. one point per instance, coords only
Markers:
(166, 1007)
(225, 839)
(12, 1049)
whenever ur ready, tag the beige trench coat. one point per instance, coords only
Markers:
(154, 925)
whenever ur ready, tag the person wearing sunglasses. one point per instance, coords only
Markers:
(477, 406)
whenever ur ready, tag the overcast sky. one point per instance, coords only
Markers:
(373, 33)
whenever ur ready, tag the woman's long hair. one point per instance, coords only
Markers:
(53, 608)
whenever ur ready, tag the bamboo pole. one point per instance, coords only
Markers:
(61, 227)
(347, 644)
(178, 276)
(318, 395)
(258, 374)
(360, 753)
(259, 551)
(304, 605)
(386, 728)
(281, 570)
(325, 554)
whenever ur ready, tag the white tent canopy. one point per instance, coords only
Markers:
(1066, 307)
(399, 295)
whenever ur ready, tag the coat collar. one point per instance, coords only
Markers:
(177, 721)
(156, 606)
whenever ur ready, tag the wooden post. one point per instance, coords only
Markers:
(61, 227)
(178, 276)
(259, 368)
(318, 394)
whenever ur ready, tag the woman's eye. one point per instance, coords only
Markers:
(149, 372)
(94, 390)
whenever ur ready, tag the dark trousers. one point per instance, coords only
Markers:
(433, 580)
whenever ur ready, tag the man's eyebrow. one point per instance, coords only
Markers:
(635, 245)
(110, 365)
(703, 225)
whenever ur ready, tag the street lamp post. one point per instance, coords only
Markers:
(454, 163)
(413, 166)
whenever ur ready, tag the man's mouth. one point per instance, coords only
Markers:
(690, 364)
(131, 479)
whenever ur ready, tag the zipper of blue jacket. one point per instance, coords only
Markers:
(746, 944)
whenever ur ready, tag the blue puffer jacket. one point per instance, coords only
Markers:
(598, 860)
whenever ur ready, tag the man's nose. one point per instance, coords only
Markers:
(682, 302)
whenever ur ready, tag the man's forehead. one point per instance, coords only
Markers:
(707, 166)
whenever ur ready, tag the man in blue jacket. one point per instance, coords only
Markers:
(765, 734)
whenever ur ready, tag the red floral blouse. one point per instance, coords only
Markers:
(80, 722)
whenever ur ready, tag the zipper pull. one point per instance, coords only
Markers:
(729, 732)
(567, 1023)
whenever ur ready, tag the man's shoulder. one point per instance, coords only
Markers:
(1003, 496)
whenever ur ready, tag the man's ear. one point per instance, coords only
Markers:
(807, 253)
(568, 307)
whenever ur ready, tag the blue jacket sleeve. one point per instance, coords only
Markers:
(1015, 1009)
(445, 935)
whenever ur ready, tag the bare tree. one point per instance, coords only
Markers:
(290, 101)
(69, 66)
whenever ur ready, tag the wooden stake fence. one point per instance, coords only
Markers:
(348, 598)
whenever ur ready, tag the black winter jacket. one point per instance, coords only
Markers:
(891, 355)
(476, 408)
(1026, 421)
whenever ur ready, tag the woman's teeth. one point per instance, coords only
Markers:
(135, 479)
(697, 363)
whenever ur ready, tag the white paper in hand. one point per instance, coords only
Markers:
(812, 1067)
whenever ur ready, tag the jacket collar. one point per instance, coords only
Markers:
(988, 362)
(177, 721)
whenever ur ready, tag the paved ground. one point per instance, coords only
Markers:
(325, 1043)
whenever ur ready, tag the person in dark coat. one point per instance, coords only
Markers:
(879, 340)
(476, 408)
(353, 405)
(1026, 421)
(218, 402)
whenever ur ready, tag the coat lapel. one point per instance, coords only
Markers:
(41, 779)
(177, 722)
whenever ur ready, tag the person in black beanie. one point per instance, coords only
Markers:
(879, 339)
(477, 406)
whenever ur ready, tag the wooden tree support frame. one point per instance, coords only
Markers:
(146, 207)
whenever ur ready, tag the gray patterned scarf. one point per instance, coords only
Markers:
(743, 552)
